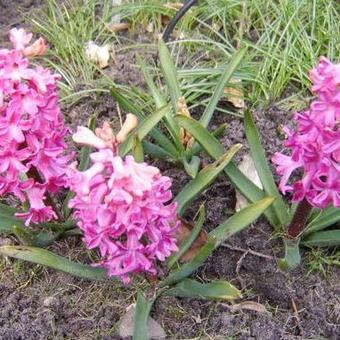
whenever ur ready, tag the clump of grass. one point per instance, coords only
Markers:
(68, 26)
(320, 261)
(286, 38)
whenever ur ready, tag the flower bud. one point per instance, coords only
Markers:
(130, 123)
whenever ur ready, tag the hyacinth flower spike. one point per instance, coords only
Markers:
(33, 152)
(122, 206)
(315, 149)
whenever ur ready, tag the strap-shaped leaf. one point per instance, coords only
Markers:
(329, 238)
(240, 220)
(143, 129)
(263, 169)
(231, 226)
(325, 219)
(213, 290)
(160, 101)
(188, 268)
(8, 220)
(170, 73)
(215, 149)
(51, 260)
(142, 312)
(203, 179)
(156, 151)
(219, 90)
(137, 150)
(155, 133)
(186, 244)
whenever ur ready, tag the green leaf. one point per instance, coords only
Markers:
(51, 260)
(192, 167)
(186, 244)
(170, 73)
(219, 90)
(143, 309)
(213, 290)
(84, 162)
(137, 150)
(8, 220)
(203, 179)
(329, 238)
(143, 129)
(197, 148)
(156, 151)
(323, 220)
(263, 169)
(160, 101)
(155, 133)
(240, 220)
(214, 148)
(292, 257)
(188, 268)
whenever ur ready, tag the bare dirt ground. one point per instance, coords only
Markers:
(36, 303)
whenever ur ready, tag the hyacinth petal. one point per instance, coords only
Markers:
(19, 38)
(85, 136)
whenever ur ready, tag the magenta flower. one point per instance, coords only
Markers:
(123, 208)
(315, 144)
(32, 132)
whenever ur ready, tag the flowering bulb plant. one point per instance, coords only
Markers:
(122, 206)
(315, 148)
(33, 153)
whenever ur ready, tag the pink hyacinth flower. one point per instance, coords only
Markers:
(33, 152)
(315, 144)
(123, 208)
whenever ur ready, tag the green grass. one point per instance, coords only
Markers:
(286, 38)
(320, 260)
(68, 26)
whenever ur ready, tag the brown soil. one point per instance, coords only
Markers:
(36, 303)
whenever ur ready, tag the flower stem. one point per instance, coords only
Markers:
(299, 220)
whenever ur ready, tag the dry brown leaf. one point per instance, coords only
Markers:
(247, 167)
(234, 94)
(249, 305)
(185, 137)
(117, 27)
(183, 232)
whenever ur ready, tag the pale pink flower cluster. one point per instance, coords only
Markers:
(315, 144)
(123, 207)
(32, 131)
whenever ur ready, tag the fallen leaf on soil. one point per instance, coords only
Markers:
(235, 95)
(117, 27)
(249, 305)
(183, 232)
(98, 54)
(247, 167)
(126, 325)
